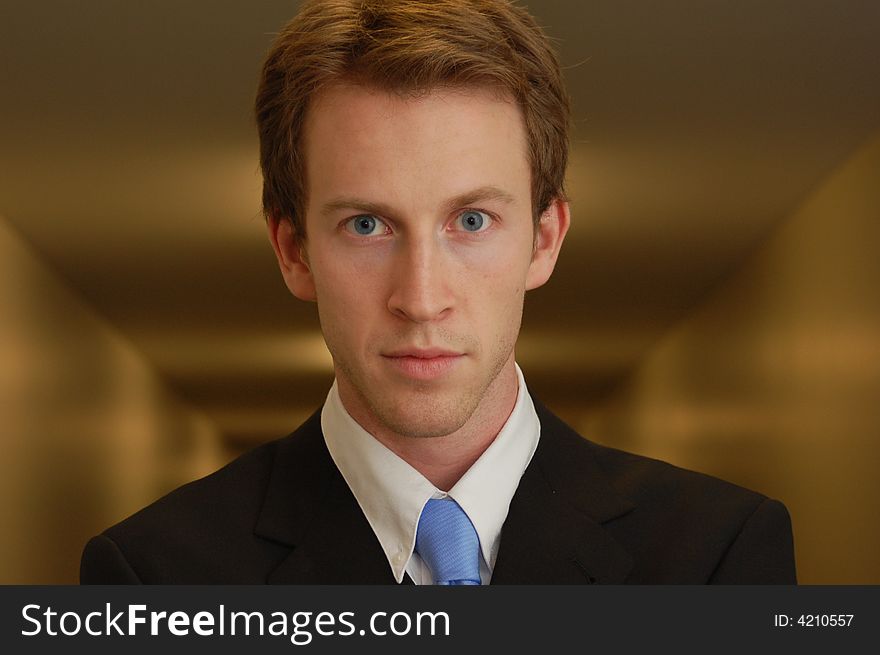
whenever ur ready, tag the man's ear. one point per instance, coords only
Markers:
(549, 234)
(292, 258)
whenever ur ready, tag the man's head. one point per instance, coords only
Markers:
(427, 205)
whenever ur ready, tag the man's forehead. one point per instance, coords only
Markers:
(355, 107)
(362, 141)
(347, 87)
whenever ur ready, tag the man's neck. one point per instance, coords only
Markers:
(445, 459)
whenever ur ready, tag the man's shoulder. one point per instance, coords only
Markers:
(228, 495)
(679, 525)
(217, 514)
(636, 477)
(654, 481)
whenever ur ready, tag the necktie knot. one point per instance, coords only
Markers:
(448, 543)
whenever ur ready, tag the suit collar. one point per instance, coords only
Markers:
(571, 466)
(554, 531)
(309, 507)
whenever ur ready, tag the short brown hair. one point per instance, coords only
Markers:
(407, 46)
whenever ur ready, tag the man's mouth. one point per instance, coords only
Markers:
(423, 363)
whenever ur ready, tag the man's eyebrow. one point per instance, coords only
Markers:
(479, 195)
(356, 204)
(467, 199)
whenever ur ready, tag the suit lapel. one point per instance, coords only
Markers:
(338, 548)
(554, 533)
(309, 507)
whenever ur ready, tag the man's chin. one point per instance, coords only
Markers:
(424, 419)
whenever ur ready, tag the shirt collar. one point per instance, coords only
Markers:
(391, 493)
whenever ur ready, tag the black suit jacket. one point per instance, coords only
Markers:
(582, 514)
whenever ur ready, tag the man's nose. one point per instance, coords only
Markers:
(421, 289)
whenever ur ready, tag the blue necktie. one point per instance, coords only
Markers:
(447, 542)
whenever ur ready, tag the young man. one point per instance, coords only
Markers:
(413, 156)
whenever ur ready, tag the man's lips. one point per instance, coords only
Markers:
(422, 353)
(423, 363)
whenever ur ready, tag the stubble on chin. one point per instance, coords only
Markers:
(422, 416)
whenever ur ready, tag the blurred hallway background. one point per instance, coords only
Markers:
(716, 304)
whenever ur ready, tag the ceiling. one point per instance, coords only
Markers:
(128, 160)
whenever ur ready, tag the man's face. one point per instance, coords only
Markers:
(419, 250)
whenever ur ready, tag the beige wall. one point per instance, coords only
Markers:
(88, 433)
(774, 381)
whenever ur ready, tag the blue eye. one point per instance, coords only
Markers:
(473, 221)
(365, 225)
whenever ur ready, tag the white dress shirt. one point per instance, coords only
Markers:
(391, 493)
